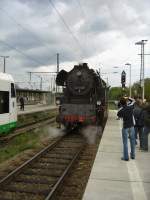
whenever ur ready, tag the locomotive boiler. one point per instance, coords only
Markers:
(84, 98)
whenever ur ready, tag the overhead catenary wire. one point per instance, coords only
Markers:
(36, 37)
(21, 52)
(67, 27)
(84, 15)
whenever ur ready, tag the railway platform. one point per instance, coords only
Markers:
(35, 108)
(112, 178)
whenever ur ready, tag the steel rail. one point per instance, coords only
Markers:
(53, 192)
(28, 162)
(21, 130)
(72, 145)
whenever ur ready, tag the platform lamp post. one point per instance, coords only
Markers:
(128, 64)
(4, 57)
(142, 71)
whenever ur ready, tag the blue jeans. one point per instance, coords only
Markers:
(138, 131)
(131, 133)
(146, 131)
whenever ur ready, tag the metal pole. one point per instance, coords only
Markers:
(30, 77)
(57, 63)
(4, 57)
(41, 84)
(57, 69)
(141, 70)
(4, 66)
(143, 93)
(130, 80)
(130, 91)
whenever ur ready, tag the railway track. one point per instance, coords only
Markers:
(19, 131)
(42, 176)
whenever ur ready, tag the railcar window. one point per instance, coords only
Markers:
(13, 92)
(4, 102)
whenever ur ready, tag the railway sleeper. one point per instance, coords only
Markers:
(41, 189)
(35, 179)
(70, 146)
(6, 195)
(52, 173)
(54, 161)
(46, 165)
(63, 151)
(71, 141)
(57, 155)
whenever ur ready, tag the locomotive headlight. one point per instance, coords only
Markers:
(98, 103)
(79, 73)
(58, 102)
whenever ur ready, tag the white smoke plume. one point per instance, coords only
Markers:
(91, 132)
(55, 132)
(52, 132)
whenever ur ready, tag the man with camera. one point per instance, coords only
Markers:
(126, 113)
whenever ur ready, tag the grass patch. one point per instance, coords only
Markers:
(19, 144)
(26, 141)
(26, 119)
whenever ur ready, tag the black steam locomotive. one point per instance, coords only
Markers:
(84, 99)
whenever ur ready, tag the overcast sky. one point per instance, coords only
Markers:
(100, 32)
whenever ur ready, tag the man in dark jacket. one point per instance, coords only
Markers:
(21, 103)
(146, 129)
(139, 121)
(126, 113)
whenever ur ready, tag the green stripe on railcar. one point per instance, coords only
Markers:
(5, 128)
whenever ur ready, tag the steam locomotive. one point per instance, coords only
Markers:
(84, 99)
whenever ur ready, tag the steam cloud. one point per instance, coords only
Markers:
(51, 132)
(91, 132)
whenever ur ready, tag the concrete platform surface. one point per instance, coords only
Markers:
(35, 108)
(114, 179)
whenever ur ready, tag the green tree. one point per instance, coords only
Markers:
(116, 92)
(137, 90)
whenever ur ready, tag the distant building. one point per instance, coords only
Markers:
(34, 96)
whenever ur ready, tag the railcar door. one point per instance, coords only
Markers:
(4, 111)
(13, 106)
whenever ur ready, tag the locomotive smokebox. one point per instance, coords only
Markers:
(79, 80)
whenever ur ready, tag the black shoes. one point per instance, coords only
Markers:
(132, 158)
(125, 159)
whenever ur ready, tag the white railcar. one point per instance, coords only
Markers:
(8, 105)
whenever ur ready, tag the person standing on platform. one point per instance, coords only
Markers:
(21, 103)
(126, 113)
(139, 121)
(146, 129)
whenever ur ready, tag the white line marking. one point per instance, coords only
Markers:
(135, 178)
(136, 181)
